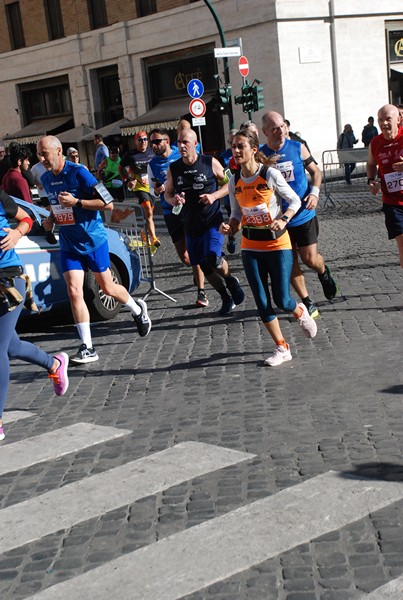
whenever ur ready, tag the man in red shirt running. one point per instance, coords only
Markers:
(385, 157)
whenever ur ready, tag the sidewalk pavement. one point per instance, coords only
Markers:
(198, 377)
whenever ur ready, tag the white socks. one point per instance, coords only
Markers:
(84, 332)
(133, 306)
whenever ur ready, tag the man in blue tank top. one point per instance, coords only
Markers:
(76, 198)
(192, 186)
(293, 160)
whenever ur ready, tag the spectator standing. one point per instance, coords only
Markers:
(76, 198)
(4, 161)
(346, 141)
(108, 172)
(13, 181)
(369, 132)
(73, 156)
(385, 157)
(37, 171)
(101, 150)
(5, 165)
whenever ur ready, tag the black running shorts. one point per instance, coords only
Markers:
(305, 234)
(393, 220)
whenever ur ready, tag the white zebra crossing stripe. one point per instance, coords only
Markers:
(55, 444)
(10, 416)
(82, 500)
(390, 591)
(193, 559)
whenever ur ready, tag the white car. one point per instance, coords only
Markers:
(41, 261)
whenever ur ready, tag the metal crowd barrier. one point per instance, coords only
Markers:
(157, 217)
(333, 169)
(128, 218)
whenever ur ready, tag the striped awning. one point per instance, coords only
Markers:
(32, 133)
(165, 114)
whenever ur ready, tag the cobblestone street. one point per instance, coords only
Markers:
(198, 377)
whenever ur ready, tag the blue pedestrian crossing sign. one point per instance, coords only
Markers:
(195, 88)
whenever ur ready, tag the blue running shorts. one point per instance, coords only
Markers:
(200, 246)
(97, 261)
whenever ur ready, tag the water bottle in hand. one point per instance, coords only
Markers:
(178, 207)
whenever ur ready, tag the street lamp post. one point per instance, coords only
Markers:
(226, 66)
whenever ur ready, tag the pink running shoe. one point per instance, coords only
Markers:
(2, 434)
(60, 377)
(307, 323)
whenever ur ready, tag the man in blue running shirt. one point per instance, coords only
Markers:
(76, 198)
(101, 150)
(293, 159)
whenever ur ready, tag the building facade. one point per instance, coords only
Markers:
(126, 64)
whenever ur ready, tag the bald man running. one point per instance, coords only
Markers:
(385, 157)
(76, 198)
(192, 182)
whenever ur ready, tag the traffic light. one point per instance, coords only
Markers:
(222, 99)
(246, 99)
(248, 102)
(258, 98)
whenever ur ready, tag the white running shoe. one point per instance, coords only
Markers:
(308, 325)
(280, 355)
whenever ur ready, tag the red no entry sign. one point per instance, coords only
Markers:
(243, 66)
